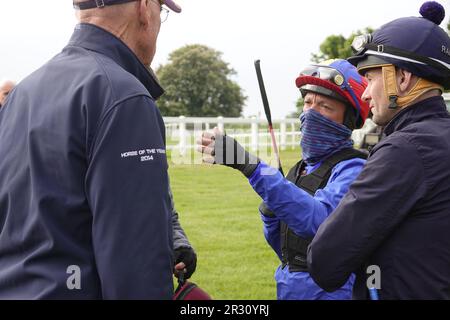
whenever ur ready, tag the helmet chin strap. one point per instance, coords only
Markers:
(421, 87)
(390, 85)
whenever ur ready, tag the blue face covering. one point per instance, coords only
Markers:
(322, 137)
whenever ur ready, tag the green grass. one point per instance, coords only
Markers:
(219, 211)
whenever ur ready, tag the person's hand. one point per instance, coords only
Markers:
(206, 144)
(222, 149)
(185, 262)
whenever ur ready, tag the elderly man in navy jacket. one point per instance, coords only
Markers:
(392, 227)
(85, 206)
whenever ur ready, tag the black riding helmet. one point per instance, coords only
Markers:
(415, 44)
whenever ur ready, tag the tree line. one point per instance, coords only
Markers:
(198, 83)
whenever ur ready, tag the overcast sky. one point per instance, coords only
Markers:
(283, 34)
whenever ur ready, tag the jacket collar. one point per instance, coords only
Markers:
(433, 107)
(94, 38)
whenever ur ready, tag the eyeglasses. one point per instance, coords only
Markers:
(163, 12)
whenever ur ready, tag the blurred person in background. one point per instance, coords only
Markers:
(6, 87)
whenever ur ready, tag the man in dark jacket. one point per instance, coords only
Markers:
(85, 208)
(392, 227)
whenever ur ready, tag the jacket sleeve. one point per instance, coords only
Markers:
(390, 184)
(127, 189)
(271, 229)
(180, 240)
(302, 212)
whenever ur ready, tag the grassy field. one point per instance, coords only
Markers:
(219, 211)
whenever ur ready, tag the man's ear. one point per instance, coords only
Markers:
(143, 13)
(405, 81)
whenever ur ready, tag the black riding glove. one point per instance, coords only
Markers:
(229, 152)
(188, 257)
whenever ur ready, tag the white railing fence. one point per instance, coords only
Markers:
(252, 133)
(182, 132)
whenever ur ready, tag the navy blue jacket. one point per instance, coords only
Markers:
(83, 178)
(396, 215)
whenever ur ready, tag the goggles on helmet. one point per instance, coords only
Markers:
(333, 76)
(359, 42)
(325, 73)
